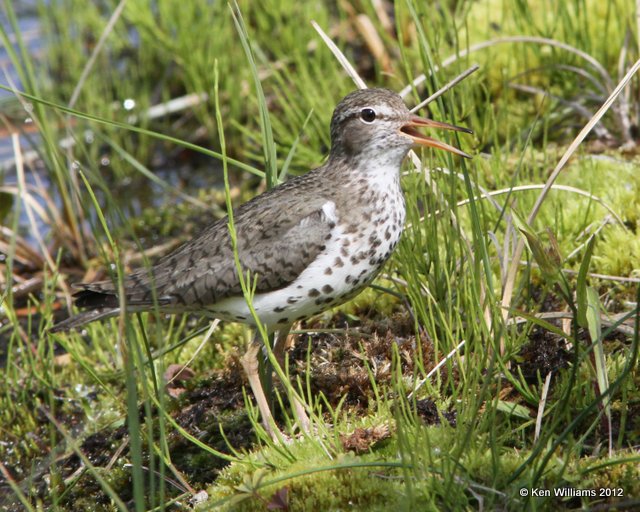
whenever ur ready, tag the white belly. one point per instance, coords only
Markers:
(361, 242)
(348, 264)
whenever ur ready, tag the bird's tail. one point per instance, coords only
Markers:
(84, 318)
(100, 300)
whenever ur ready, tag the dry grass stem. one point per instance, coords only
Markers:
(511, 276)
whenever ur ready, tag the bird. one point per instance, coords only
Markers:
(309, 244)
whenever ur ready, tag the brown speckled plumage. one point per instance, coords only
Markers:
(312, 242)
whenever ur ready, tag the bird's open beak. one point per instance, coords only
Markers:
(418, 138)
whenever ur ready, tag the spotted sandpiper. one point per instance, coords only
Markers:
(310, 243)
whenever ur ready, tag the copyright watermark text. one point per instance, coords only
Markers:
(572, 492)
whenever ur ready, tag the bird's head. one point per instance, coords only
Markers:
(377, 124)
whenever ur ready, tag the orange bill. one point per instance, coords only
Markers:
(418, 138)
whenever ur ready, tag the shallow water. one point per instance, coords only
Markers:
(133, 194)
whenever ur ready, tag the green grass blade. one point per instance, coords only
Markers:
(268, 143)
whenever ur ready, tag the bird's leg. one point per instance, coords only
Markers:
(279, 353)
(251, 365)
(266, 372)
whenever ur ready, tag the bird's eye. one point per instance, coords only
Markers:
(368, 115)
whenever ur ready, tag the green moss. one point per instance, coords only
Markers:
(580, 24)
(618, 253)
(620, 473)
(313, 481)
(616, 182)
(384, 304)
